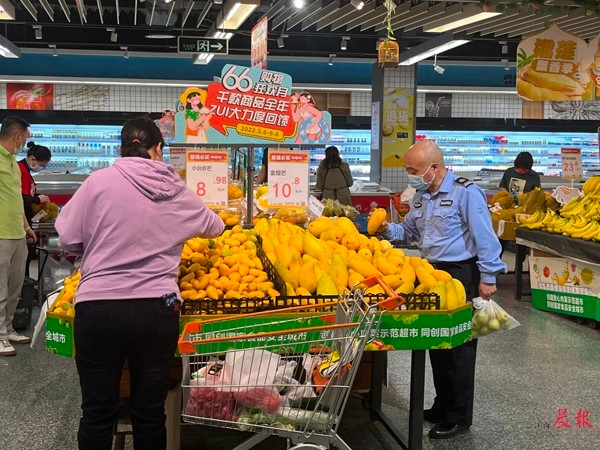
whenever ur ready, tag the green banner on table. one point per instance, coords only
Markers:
(399, 330)
(566, 303)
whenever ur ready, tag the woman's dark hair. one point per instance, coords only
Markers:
(190, 95)
(39, 152)
(524, 160)
(332, 157)
(310, 98)
(138, 136)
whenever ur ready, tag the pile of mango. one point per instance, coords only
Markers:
(331, 256)
(224, 268)
(64, 302)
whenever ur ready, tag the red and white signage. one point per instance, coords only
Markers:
(207, 175)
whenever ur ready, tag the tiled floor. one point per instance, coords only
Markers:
(523, 377)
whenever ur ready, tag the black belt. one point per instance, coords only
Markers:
(445, 265)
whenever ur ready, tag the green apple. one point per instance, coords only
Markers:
(482, 318)
(494, 325)
(502, 317)
(484, 331)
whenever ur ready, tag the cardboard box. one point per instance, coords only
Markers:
(507, 229)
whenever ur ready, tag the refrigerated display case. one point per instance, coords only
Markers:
(473, 150)
(72, 146)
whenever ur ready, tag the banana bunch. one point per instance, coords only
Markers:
(581, 228)
(591, 186)
(539, 220)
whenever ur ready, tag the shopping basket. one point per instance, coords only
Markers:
(286, 372)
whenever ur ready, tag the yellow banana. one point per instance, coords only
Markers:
(570, 204)
(585, 230)
(592, 232)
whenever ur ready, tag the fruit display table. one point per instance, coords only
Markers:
(563, 273)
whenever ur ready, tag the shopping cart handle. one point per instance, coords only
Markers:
(393, 301)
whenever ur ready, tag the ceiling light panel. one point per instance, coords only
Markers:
(354, 15)
(376, 17)
(470, 14)
(47, 8)
(235, 13)
(7, 10)
(8, 49)
(341, 13)
(65, 9)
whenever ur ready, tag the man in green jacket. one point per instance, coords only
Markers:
(13, 231)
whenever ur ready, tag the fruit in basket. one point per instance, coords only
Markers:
(234, 191)
(64, 302)
(229, 218)
(326, 286)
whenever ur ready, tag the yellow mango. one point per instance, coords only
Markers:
(405, 288)
(347, 226)
(257, 263)
(461, 294)
(307, 278)
(376, 219)
(366, 253)
(452, 299)
(290, 291)
(302, 292)
(212, 292)
(351, 241)
(296, 241)
(439, 288)
(342, 251)
(424, 277)
(354, 279)
(318, 226)
(333, 233)
(233, 294)
(285, 274)
(393, 281)
(376, 244)
(407, 273)
(326, 286)
(385, 245)
(189, 277)
(338, 272)
(422, 289)
(374, 290)
(385, 267)
(362, 266)
(267, 243)
(441, 275)
(273, 293)
(427, 266)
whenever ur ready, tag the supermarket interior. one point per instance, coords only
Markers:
(272, 84)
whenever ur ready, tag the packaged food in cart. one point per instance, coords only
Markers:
(286, 372)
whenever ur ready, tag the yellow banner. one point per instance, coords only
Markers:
(397, 127)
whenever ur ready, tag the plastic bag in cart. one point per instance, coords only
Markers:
(489, 318)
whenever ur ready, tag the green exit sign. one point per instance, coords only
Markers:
(188, 44)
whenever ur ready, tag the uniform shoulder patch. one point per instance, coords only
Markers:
(464, 181)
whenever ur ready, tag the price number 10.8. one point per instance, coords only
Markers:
(285, 189)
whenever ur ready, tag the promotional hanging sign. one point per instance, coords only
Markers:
(258, 44)
(288, 178)
(207, 175)
(558, 66)
(250, 106)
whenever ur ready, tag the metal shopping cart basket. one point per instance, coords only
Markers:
(286, 372)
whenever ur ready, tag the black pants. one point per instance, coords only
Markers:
(454, 369)
(144, 332)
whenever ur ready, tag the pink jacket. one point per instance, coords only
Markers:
(129, 222)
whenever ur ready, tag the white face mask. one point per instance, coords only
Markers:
(36, 168)
(417, 181)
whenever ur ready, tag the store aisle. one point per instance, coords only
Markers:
(523, 377)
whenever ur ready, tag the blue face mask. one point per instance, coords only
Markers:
(417, 182)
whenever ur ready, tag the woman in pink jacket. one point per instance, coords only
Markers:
(129, 223)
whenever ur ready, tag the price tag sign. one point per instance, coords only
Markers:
(207, 175)
(288, 178)
(177, 158)
(315, 207)
(572, 166)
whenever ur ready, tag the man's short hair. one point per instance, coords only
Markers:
(13, 124)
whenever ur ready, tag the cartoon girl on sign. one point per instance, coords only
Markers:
(309, 119)
(197, 116)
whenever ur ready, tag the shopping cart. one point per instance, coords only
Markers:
(286, 372)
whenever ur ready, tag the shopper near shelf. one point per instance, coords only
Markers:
(14, 230)
(263, 174)
(451, 225)
(36, 160)
(334, 177)
(129, 223)
(520, 178)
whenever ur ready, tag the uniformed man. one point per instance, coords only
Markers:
(451, 225)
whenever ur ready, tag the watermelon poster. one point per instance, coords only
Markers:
(37, 96)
